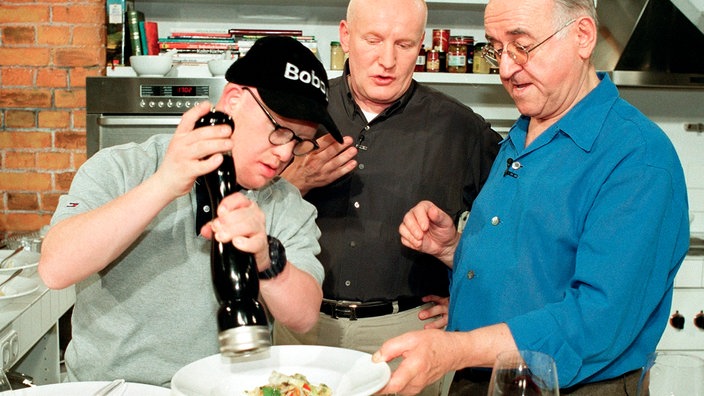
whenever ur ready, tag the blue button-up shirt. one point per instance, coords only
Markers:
(574, 241)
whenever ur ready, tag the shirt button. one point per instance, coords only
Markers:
(515, 165)
(347, 283)
(470, 274)
(360, 166)
(356, 205)
(353, 244)
(495, 220)
(206, 209)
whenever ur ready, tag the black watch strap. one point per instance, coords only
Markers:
(277, 255)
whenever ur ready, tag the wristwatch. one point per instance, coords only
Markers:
(277, 255)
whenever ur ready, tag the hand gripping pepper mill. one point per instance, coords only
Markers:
(242, 321)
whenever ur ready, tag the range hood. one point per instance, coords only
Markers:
(651, 42)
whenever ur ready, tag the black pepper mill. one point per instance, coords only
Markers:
(242, 321)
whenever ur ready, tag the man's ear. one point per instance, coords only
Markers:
(231, 95)
(587, 36)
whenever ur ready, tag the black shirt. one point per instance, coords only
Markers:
(426, 146)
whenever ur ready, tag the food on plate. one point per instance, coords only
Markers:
(290, 385)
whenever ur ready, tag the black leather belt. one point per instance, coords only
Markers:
(355, 310)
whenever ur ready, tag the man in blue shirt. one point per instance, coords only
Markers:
(573, 244)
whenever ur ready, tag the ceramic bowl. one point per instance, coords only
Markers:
(218, 67)
(151, 65)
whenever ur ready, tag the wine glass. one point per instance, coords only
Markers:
(5, 388)
(672, 374)
(524, 373)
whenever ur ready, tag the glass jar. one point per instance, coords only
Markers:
(432, 61)
(420, 61)
(337, 56)
(457, 55)
(481, 66)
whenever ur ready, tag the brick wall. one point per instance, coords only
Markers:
(47, 48)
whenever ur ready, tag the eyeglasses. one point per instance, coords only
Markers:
(282, 135)
(517, 52)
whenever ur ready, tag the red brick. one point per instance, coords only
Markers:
(79, 119)
(25, 98)
(54, 161)
(54, 119)
(25, 181)
(52, 78)
(53, 35)
(23, 13)
(70, 140)
(25, 140)
(79, 159)
(25, 221)
(22, 201)
(78, 57)
(24, 56)
(88, 35)
(17, 77)
(77, 75)
(73, 98)
(49, 201)
(19, 160)
(18, 35)
(20, 119)
(79, 13)
(63, 181)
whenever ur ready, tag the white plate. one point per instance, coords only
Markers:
(89, 388)
(24, 259)
(17, 287)
(346, 372)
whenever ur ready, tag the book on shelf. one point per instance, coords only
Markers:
(133, 19)
(152, 33)
(264, 32)
(197, 45)
(200, 35)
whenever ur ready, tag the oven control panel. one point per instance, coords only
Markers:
(172, 97)
(149, 95)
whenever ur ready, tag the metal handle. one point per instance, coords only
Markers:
(139, 120)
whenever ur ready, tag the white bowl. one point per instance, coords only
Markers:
(218, 67)
(25, 259)
(15, 288)
(151, 65)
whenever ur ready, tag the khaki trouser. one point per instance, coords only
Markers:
(365, 334)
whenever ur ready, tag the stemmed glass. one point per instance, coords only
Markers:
(672, 374)
(5, 388)
(524, 373)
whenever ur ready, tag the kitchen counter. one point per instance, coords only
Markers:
(29, 332)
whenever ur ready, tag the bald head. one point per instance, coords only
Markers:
(418, 6)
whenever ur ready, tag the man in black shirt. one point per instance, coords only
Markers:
(405, 143)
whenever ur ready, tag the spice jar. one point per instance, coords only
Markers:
(432, 61)
(457, 55)
(337, 56)
(420, 61)
(481, 66)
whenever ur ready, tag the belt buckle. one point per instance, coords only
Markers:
(345, 306)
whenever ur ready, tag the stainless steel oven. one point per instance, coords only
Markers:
(131, 109)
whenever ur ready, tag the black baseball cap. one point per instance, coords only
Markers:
(289, 78)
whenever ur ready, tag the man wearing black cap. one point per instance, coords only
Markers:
(132, 233)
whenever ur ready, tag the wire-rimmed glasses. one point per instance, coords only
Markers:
(518, 53)
(282, 135)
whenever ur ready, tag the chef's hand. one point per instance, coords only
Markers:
(427, 229)
(426, 358)
(438, 311)
(322, 166)
(241, 222)
(192, 152)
